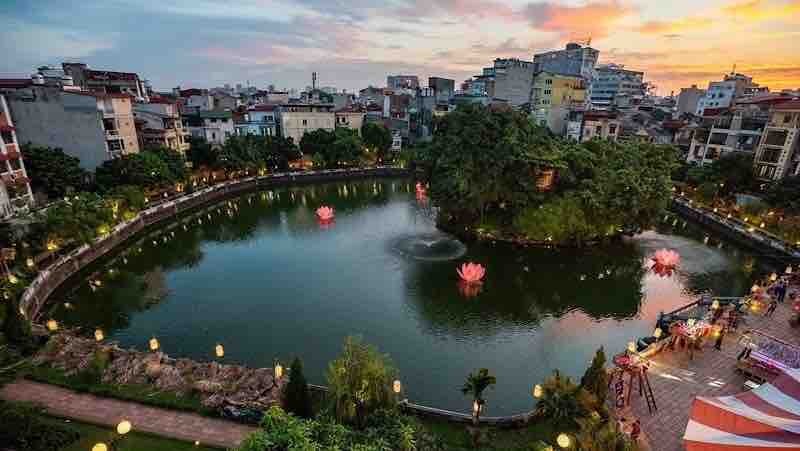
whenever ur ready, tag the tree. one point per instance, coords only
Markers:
(298, 398)
(597, 434)
(143, 169)
(346, 149)
(564, 402)
(595, 379)
(200, 153)
(16, 328)
(317, 141)
(52, 171)
(360, 382)
(475, 385)
(377, 138)
(785, 194)
(175, 161)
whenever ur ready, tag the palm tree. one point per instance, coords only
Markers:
(475, 385)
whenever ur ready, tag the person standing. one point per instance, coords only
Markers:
(720, 336)
(782, 291)
(773, 304)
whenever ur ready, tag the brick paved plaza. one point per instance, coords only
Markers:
(676, 380)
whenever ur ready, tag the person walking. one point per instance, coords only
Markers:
(720, 336)
(773, 304)
(782, 288)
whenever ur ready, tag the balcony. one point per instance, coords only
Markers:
(111, 134)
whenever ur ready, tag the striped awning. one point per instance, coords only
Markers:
(763, 419)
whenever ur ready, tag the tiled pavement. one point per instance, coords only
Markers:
(186, 426)
(676, 380)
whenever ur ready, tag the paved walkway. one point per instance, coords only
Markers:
(186, 426)
(676, 380)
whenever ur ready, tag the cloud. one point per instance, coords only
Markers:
(673, 27)
(593, 19)
(762, 10)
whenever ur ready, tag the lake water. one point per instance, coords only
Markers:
(260, 275)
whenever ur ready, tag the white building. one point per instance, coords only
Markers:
(15, 190)
(723, 94)
(615, 86)
(213, 126)
(688, 100)
(260, 120)
(295, 119)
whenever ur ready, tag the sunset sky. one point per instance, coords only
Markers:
(355, 43)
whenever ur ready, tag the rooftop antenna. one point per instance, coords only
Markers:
(313, 80)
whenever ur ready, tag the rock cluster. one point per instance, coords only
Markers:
(216, 384)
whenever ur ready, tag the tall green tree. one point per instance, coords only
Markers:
(563, 402)
(317, 142)
(143, 169)
(200, 153)
(174, 160)
(377, 138)
(475, 385)
(360, 382)
(785, 194)
(297, 395)
(52, 171)
(595, 379)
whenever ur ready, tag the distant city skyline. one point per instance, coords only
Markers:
(353, 44)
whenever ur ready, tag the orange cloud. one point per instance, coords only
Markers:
(761, 10)
(593, 19)
(674, 27)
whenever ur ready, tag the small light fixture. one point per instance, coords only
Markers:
(154, 344)
(537, 391)
(754, 288)
(397, 386)
(100, 447)
(631, 347)
(563, 440)
(219, 351)
(278, 370)
(788, 270)
(773, 277)
(12, 278)
(52, 325)
(29, 262)
(657, 333)
(98, 335)
(715, 304)
(124, 427)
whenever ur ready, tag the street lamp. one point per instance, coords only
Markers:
(98, 335)
(154, 345)
(124, 427)
(278, 370)
(219, 351)
(537, 391)
(563, 440)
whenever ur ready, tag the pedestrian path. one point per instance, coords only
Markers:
(185, 426)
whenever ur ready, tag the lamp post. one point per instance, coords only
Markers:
(564, 441)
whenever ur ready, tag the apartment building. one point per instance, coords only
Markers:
(92, 126)
(159, 124)
(213, 126)
(351, 118)
(260, 120)
(295, 119)
(777, 154)
(509, 80)
(107, 82)
(614, 86)
(398, 82)
(725, 93)
(575, 59)
(688, 100)
(587, 125)
(553, 97)
(15, 190)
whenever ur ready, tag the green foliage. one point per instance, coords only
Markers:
(22, 427)
(201, 154)
(360, 382)
(297, 396)
(52, 171)
(333, 149)
(175, 161)
(595, 379)
(316, 142)
(785, 194)
(563, 402)
(477, 383)
(377, 138)
(143, 169)
(16, 328)
(561, 219)
(253, 152)
(730, 173)
(597, 434)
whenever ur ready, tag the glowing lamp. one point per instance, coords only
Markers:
(52, 325)
(51, 246)
(124, 427)
(476, 407)
(29, 262)
(98, 335)
(788, 270)
(100, 447)
(754, 288)
(219, 351)
(657, 333)
(729, 216)
(715, 304)
(278, 370)
(690, 322)
(631, 347)
(715, 210)
(154, 344)
(563, 440)
(12, 278)
(397, 387)
(197, 443)
(537, 391)
(773, 277)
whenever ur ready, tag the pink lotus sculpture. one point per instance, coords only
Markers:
(325, 214)
(665, 261)
(469, 290)
(471, 273)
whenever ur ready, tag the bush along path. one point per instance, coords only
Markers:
(186, 426)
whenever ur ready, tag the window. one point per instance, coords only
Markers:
(598, 130)
(770, 155)
(213, 136)
(776, 138)
(115, 145)
(305, 122)
(766, 171)
(612, 129)
(787, 118)
(719, 138)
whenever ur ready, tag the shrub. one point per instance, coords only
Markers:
(16, 328)
(596, 434)
(298, 398)
(595, 379)
(360, 382)
(22, 427)
(564, 402)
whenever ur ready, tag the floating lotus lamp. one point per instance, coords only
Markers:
(471, 273)
(325, 214)
(665, 261)
(98, 335)
(124, 427)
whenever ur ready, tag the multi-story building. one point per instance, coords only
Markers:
(350, 117)
(224, 101)
(107, 82)
(213, 126)
(260, 120)
(688, 100)
(443, 88)
(159, 124)
(778, 152)
(90, 126)
(397, 82)
(553, 97)
(613, 86)
(573, 60)
(509, 80)
(587, 125)
(194, 100)
(295, 119)
(15, 190)
(723, 94)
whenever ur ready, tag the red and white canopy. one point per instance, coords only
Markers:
(766, 418)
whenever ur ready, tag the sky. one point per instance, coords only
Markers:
(355, 43)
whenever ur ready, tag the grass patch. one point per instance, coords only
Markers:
(456, 437)
(144, 394)
(133, 441)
